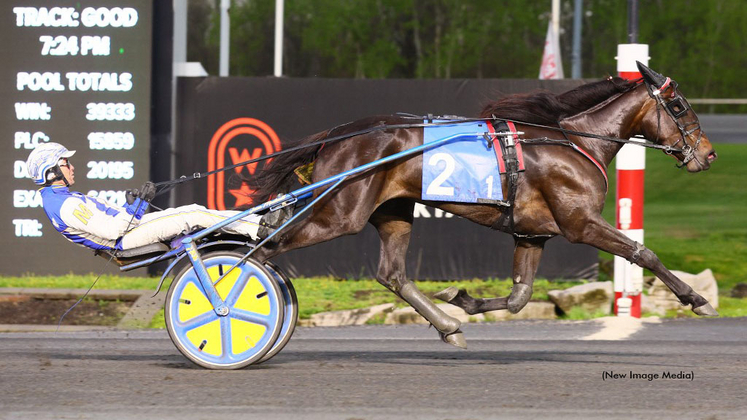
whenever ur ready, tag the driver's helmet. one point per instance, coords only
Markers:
(43, 158)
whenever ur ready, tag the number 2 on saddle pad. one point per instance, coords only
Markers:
(462, 170)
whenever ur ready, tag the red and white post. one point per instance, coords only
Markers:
(631, 164)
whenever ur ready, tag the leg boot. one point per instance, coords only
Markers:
(447, 326)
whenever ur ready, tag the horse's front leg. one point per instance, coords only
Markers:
(595, 231)
(527, 253)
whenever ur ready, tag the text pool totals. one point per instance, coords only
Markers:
(76, 73)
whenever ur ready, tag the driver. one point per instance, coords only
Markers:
(100, 225)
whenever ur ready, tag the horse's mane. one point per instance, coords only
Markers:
(543, 107)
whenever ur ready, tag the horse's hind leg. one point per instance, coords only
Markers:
(527, 253)
(393, 220)
(598, 233)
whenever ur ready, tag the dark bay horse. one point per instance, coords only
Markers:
(560, 193)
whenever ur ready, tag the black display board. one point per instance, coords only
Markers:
(222, 121)
(76, 73)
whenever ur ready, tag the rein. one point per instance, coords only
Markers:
(675, 109)
(574, 146)
(168, 185)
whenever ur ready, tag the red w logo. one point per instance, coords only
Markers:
(243, 135)
(244, 156)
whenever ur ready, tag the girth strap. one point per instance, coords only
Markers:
(508, 152)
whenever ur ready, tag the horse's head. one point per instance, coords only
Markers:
(672, 122)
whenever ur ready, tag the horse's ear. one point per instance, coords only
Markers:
(651, 77)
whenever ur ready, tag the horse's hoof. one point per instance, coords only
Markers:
(705, 310)
(520, 295)
(455, 339)
(447, 295)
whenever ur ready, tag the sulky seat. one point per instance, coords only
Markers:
(128, 256)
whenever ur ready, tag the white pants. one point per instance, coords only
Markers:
(163, 225)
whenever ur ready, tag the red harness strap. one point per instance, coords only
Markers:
(595, 162)
(499, 151)
(520, 155)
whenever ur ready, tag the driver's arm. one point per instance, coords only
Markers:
(104, 220)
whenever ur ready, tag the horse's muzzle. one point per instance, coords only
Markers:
(702, 162)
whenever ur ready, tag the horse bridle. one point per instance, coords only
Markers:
(677, 107)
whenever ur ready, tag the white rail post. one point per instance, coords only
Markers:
(631, 164)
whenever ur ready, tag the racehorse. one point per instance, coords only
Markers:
(561, 192)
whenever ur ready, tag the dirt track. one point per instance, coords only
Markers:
(524, 369)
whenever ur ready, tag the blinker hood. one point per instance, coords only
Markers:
(651, 77)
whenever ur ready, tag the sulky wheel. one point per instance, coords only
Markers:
(291, 310)
(246, 334)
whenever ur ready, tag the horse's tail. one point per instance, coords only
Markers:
(277, 176)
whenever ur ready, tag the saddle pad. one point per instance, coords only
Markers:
(463, 170)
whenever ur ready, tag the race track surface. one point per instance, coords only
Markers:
(517, 369)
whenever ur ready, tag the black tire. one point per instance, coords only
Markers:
(290, 318)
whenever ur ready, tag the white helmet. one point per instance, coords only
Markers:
(44, 158)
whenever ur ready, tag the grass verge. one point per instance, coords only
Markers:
(324, 294)
(74, 281)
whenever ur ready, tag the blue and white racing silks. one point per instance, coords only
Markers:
(88, 221)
